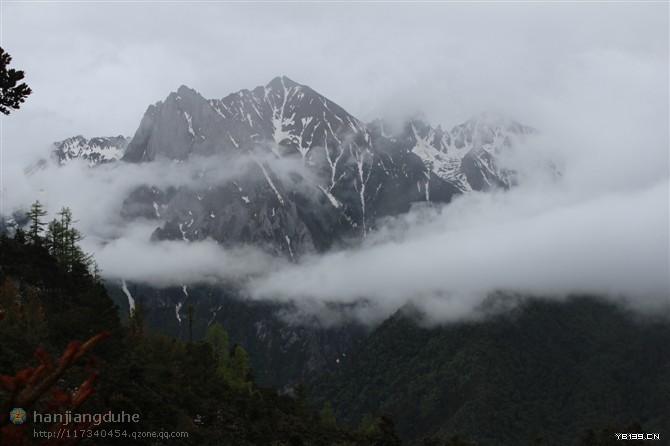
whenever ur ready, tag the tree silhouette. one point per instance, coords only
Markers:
(12, 93)
(36, 223)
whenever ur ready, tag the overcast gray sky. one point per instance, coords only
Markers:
(592, 77)
(95, 67)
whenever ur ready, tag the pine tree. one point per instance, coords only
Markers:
(36, 224)
(12, 93)
(67, 241)
(68, 237)
(54, 239)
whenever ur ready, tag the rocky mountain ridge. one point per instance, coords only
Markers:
(310, 176)
(349, 173)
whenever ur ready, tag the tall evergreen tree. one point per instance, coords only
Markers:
(54, 239)
(67, 241)
(36, 223)
(71, 254)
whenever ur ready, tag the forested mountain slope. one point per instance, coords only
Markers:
(205, 388)
(546, 369)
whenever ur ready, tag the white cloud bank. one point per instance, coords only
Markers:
(167, 263)
(447, 261)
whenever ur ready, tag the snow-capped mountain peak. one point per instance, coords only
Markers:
(292, 117)
(95, 151)
(352, 172)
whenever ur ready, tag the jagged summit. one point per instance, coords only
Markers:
(282, 82)
(183, 93)
(184, 90)
(292, 116)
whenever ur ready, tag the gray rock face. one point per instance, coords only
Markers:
(292, 116)
(353, 172)
(310, 210)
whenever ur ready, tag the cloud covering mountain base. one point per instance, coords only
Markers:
(447, 261)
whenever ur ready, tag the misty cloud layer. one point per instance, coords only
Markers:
(448, 261)
(96, 195)
(592, 80)
(170, 263)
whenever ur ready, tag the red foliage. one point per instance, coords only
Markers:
(32, 384)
